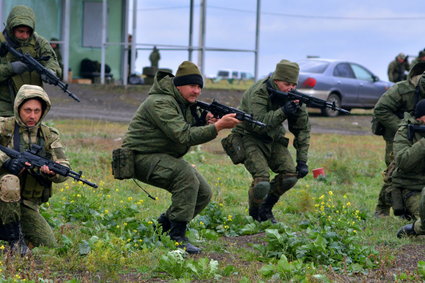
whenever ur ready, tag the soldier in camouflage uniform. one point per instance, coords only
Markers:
(267, 148)
(388, 112)
(409, 151)
(161, 132)
(23, 190)
(154, 57)
(20, 34)
(397, 68)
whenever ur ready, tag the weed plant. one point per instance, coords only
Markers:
(111, 233)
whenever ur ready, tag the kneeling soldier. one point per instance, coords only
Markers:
(22, 190)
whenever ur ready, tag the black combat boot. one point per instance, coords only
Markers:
(265, 212)
(164, 222)
(407, 231)
(178, 234)
(12, 233)
(253, 212)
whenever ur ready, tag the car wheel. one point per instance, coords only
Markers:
(328, 111)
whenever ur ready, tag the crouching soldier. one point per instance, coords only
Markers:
(409, 152)
(22, 189)
(266, 148)
(161, 133)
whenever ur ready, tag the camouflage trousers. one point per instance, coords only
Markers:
(418, 205)
(384, 198)
(259, 160)
(35, 228)
(190, 192)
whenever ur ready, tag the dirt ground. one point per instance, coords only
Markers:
(118, 104)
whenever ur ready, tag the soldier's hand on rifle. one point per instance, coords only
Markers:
(19, 67)
(228, 121)
(45, 169)
(302, 169)
(291, 108)
(45, 78)
(210, 119)
(14, 166)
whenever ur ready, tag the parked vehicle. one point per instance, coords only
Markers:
(349, 85)
(233, 74)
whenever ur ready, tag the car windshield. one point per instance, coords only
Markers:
(313, 66)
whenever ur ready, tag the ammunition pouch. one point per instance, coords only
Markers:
(233, 146)
(123, 163)
(377, 128)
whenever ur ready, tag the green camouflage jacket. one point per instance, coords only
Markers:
(256, 101)
(396, 70)
(409, 157)
(398, 99)
(164, 123)
(47, 137)
(36, 46)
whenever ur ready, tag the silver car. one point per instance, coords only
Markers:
(348, 84)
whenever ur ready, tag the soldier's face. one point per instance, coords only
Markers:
(190, 92)
(421, 119)
(285, 86)
(30, 112)
(22, 32)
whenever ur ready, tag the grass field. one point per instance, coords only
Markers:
(326, 232)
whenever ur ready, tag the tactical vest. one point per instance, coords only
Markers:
(32, 187)
(32, 48)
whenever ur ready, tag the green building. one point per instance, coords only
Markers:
(81, 29)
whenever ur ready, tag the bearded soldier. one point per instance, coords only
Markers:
(20, 34)
(267, 148)
(22, 190)
(388, 112)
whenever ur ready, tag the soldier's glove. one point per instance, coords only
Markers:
(19, 67)
(45, 78)
(290, 109)
(13, 165)
(302, 169)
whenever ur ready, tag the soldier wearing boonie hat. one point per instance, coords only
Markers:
(267, 149)
(160, 134)
(398, 68)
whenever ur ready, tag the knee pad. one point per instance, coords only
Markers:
(282, 183)
(259, 190)
(10, 190)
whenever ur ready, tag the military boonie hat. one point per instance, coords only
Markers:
(286, 71)
(188, 74)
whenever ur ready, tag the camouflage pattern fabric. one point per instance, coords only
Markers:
(36, 46)
(190, 191)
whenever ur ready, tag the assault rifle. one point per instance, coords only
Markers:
(39, 68)
(219, 110)
(31, 157)
(307, 99)
(411, 129)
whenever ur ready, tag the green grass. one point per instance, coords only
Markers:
(108, 233)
